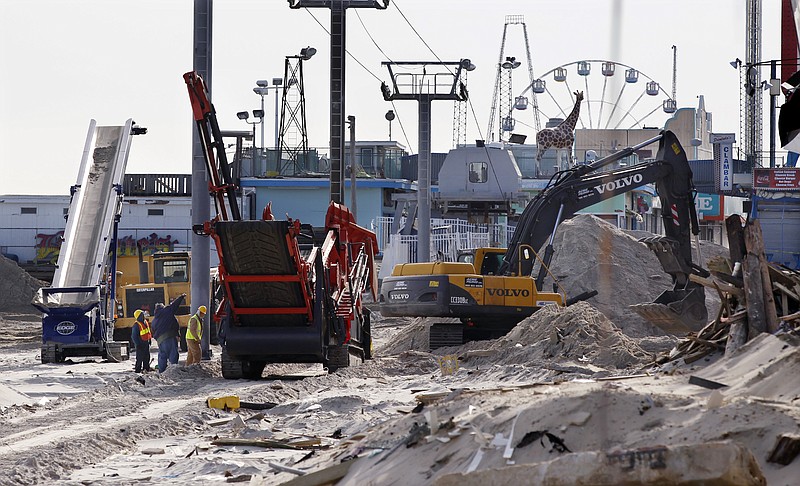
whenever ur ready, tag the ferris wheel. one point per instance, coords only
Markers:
(616, 96)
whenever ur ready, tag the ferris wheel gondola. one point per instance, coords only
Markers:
(612, 101)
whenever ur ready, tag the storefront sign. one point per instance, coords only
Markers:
(710, 206)
(785, 179)
(723, 159)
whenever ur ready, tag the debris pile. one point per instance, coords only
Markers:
(17, 287)
(579, 334)
(755, 297)
(591, 254)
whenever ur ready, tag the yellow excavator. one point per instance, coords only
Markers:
(497, 289)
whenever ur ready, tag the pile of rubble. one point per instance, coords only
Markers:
(17, 287)
(755, 297)
(592, 254)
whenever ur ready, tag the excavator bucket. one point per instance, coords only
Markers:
(676, 311)
(682, 309)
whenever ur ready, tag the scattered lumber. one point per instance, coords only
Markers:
(755, 296)
(786, 449)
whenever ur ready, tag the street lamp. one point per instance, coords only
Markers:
(262, 89)
(389, 117)
(259, 118)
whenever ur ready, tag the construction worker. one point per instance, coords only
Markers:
(194, 334)
(166, 332)
(141, 334)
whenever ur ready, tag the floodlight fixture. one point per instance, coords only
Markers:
(243, 115)
(277, 81)
(261, 90)
(517, 138)
(467, 64)
(262, 83)
(511, 63)
(736, 63)
(258, 113)
(390, 115)
(307, 53)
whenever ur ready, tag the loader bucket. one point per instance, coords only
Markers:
(676, 311)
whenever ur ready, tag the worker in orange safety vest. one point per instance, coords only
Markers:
(194, 334)
(141, 334)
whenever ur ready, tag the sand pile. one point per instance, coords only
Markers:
(579, 333)
(17, 288)
(591, 254)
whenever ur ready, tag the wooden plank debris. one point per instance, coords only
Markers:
(256, 443)
(747, 299)
(322, 477)
(786, 449)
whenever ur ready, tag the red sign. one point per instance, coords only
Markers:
(777, 179)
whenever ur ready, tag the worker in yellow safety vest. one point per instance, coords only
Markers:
(141, 334)
(193, 335)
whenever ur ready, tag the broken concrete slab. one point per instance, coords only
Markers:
(725, 463)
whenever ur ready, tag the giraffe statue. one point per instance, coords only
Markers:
(563, 135)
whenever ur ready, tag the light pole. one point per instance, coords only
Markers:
(259, 116)
(262, 89)
(389, 117)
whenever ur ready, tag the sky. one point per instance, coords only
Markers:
(66, 62)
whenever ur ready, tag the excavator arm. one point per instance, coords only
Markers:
(581, 187)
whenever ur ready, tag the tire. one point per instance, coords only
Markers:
(48, 354)
(123, 335)
(252, 370)
(115, 352)
(338, 357)
(232, 369)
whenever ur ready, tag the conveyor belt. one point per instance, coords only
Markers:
(260, 248)
(93, 206)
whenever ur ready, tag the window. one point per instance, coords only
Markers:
(366, 159)
(477, 172)
(168, 271)
(27, 211)
(155, 212)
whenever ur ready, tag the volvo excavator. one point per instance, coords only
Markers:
(484, 299)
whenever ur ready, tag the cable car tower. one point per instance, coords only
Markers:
(503, 102)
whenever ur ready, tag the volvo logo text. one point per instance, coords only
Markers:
(618, 184)
(509, 292)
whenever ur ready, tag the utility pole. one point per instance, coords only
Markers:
(338, 29)
(415, 78)
(201, 207)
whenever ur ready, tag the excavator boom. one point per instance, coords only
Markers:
(410, 291)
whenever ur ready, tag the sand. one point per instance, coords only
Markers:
(564, 384)
(567, 372)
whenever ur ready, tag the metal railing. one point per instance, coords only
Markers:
(448, 237)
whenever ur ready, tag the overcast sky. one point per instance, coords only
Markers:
(65, 62)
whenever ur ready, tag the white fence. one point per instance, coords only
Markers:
(448, 237)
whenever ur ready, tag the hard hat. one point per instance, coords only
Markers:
(137, 313)
(202, 309)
